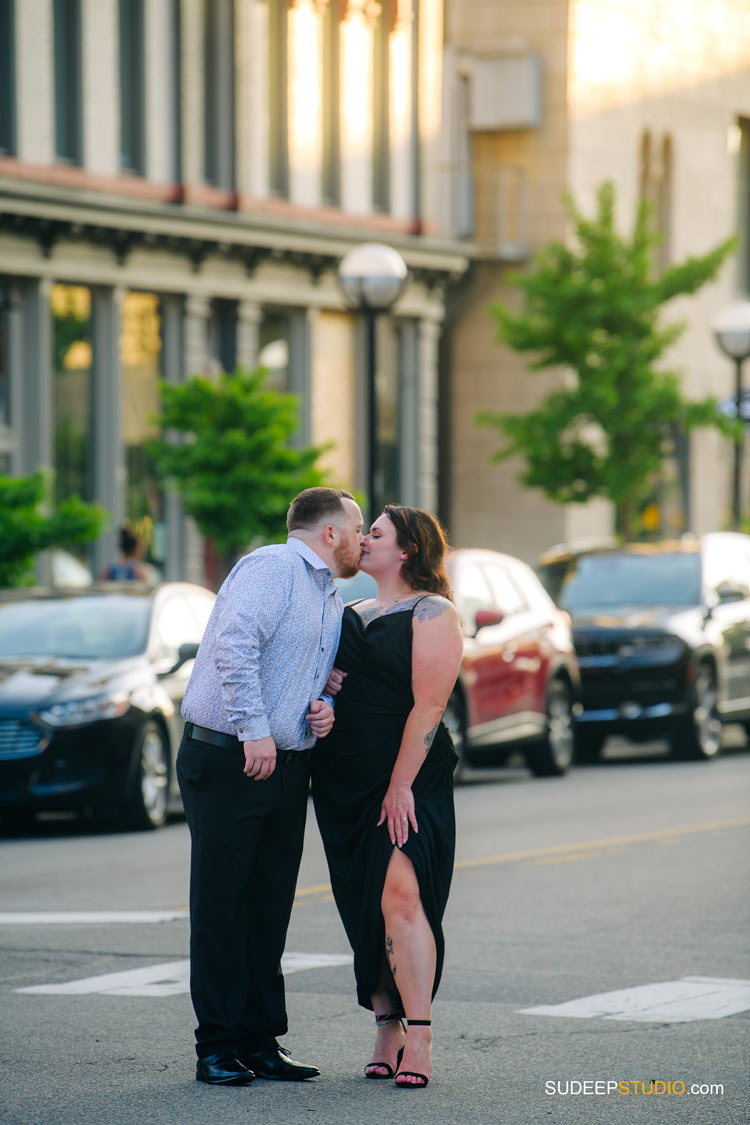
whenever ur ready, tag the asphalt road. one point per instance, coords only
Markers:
(622, 875)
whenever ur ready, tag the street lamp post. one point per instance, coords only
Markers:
(732, 334)
(372, 277)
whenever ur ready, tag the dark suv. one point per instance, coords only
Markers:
(662, 634)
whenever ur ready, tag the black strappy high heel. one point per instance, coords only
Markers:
(381, 1021)
(388, 1017)
(413, 1073)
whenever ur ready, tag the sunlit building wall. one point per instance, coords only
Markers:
(559, 95)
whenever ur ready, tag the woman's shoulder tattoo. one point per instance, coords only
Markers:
(434, 606)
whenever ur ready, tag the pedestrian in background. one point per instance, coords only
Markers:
(130, 566)
(254, 707)
(383, 785)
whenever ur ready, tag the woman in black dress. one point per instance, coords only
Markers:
(383, 785)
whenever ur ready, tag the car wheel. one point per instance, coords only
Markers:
(699, 736)
(553, 756)
(588, 745)
(147, 807)
(454, 718)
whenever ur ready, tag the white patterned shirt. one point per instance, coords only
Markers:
(268, 648)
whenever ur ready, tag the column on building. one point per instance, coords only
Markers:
(305, 121)
(101, 92)
(402, 112)
(161, 65)
(427, 413)
(197, 314)
(108, 460)
(357, 29)
(192, 77)
(428, 189)
(33, 419)
(35, 83)
(249, 317)
(195, 340)
(251, 98)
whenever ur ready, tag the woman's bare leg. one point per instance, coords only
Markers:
(410, 948)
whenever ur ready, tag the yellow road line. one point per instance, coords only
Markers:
(607, 842)
(573, 850)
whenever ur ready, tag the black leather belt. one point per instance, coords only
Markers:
(215, 737)
(229, 742)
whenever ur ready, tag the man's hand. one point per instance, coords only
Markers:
(320, 717)
(260, 758)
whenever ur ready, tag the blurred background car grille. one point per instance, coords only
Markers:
(17, 739)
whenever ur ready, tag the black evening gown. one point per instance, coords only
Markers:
(350, 774)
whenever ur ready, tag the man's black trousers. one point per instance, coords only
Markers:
(247, 841)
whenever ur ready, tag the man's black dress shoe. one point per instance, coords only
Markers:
(223, 1070)
(274, 1062)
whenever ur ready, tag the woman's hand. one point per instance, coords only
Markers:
(335, 682)
(397, 811)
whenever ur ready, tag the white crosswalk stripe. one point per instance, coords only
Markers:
(674, 1001)
(169, 979)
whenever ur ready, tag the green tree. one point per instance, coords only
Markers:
(234, 467)
(28, 524)
(594, 310)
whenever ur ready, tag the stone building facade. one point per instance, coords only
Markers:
(179, 180)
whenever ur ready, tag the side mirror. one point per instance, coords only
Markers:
(728, 592)
(184, 653)
(487, 617)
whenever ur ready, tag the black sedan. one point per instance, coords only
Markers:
(90, 691)
(662, 634)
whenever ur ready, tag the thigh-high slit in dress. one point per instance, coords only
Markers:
(350, 774)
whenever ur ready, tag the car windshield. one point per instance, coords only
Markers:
(83, 628)
(608, 580)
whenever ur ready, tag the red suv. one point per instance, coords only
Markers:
(518, 685)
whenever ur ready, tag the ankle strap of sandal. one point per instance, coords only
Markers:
(419, 1023)
(388, 1017)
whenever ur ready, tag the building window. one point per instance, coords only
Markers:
(132, 120)
(141, 361)
(283, 349)
(278, 99)
(222, 334)
(331, 185)
(72, 393)
(275, 340)
(218, 90)
(68, 129)
(7, 79)
(381, 85)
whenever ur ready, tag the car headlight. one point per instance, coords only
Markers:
(78, 712)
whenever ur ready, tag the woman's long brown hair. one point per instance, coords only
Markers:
(423, 540)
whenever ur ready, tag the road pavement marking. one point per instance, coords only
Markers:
(170, 979)
(672, 1001)
(89, 917)
(608, 842)
(567, 851)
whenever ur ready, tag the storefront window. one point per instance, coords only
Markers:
(141, 359)
(72, 390)
(275, 346)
